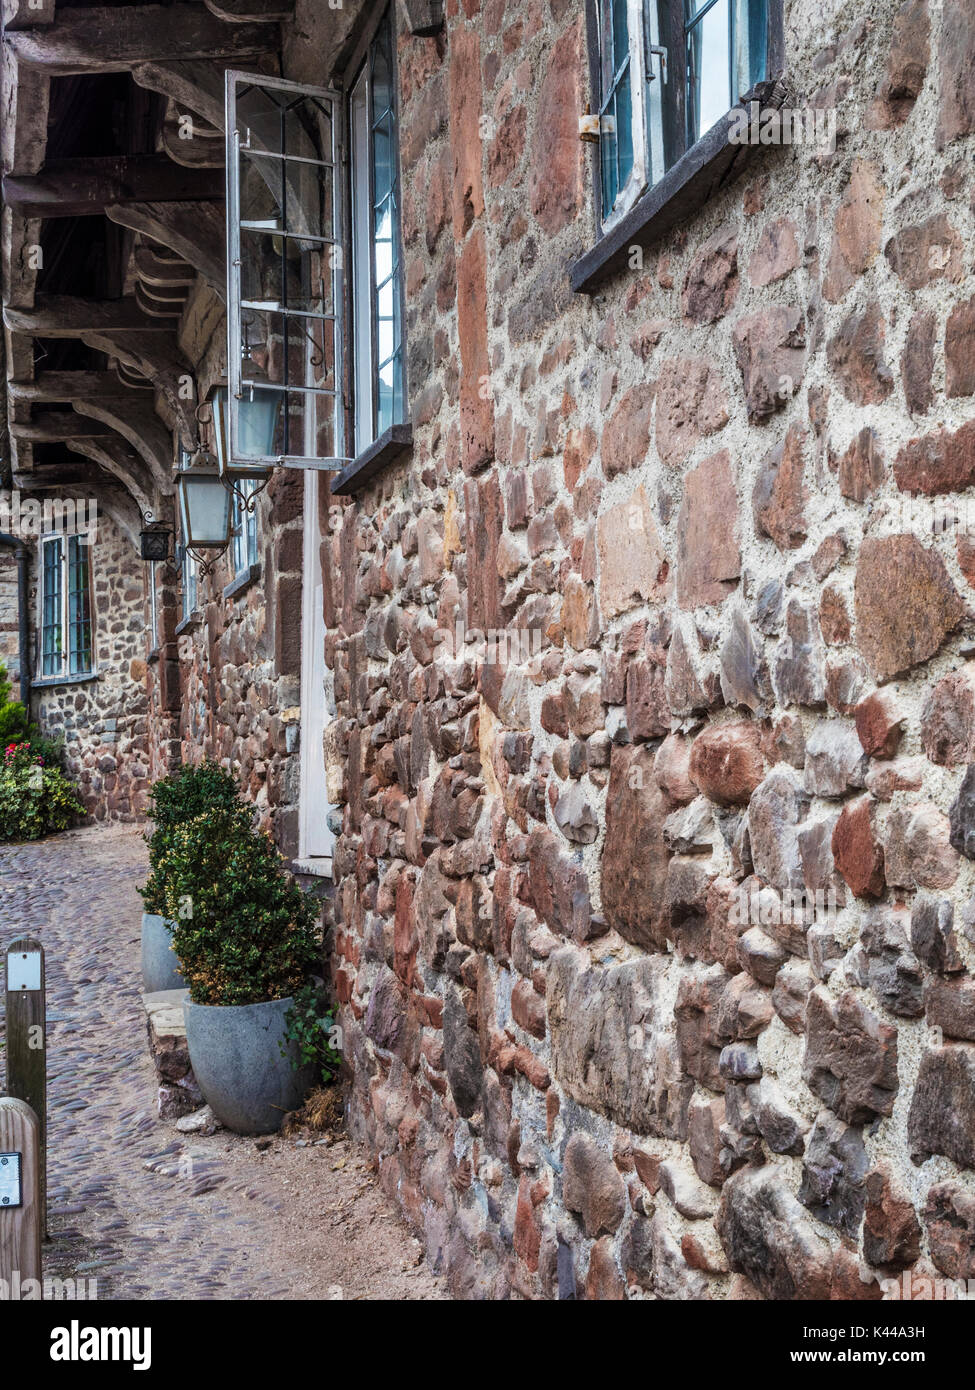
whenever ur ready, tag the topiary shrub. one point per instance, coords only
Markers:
(35, 797)
(187, 793)
(243, 931)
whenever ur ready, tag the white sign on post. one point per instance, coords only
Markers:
(11, 1188)
(23, 971)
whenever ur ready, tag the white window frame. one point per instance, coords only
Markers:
(238, 141)
(189, 582)
(244, 530)
(364, 349)
(153, 607)
(647, 126)
(65, 674)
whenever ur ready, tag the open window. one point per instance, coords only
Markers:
(67, 643)
(377, 291)
(315, 268)
(665, 74)
(284, 302)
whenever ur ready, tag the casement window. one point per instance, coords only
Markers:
(153, 608)
(665, 72)
(315, 315)
(67, 647)
(244, 533)
(377, 294)
(189, 580)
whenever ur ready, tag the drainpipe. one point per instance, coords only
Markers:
(23, 609)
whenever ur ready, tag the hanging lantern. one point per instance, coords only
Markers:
(257, 414)
(204, 504)
(154, 542)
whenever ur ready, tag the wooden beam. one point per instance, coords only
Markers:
(159, 306)
(27, 14)
(196, 86)
(195, 231)
(66, 316)
(71, 386)
(57, 426)
(164, 271)
(83, 187)
(21, 238)
(194, 145)
(115, 38)
(137, 422)
(251, 11)
(23, 129)
(118, 459)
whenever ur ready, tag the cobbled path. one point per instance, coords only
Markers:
(148, 1212)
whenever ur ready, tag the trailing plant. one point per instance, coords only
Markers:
(187, 793)
(35, 797)
(310, 1026)
(243, 931)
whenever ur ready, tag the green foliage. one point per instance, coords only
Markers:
(311, 1027)
(184, 795)
(15, 726)
(35, 797)
(243, 931)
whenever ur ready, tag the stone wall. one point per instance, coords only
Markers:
(593, 1048)
(236, 672)
(9, 621)
(104, 721)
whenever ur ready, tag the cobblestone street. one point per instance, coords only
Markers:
(147, 1212)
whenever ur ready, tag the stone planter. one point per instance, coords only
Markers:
(160, 968)
(235, 1051)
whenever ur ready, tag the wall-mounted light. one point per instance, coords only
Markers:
(154, 541)
(204, 508)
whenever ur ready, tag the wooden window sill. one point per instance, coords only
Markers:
(242, 581)
(698, 175)
(390, 446)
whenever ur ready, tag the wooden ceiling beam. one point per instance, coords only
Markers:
(84, 187)
(251, 11)
(195, 231)
(22, 14)
(57, 426)
(124, 463)
(136, 422)
(167, 272)
(115, 38)
(67, 316)
(23, 129)
(196, 86)
(71, 387)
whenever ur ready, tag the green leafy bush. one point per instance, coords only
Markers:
(310, 1025)
(184, 795)
(243, 931)
(35, 797)
(15, 727)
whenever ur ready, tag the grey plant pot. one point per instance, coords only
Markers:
(160, 968)
(235, 1052)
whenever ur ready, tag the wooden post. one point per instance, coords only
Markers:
(27, 1041)
(21, 1212)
